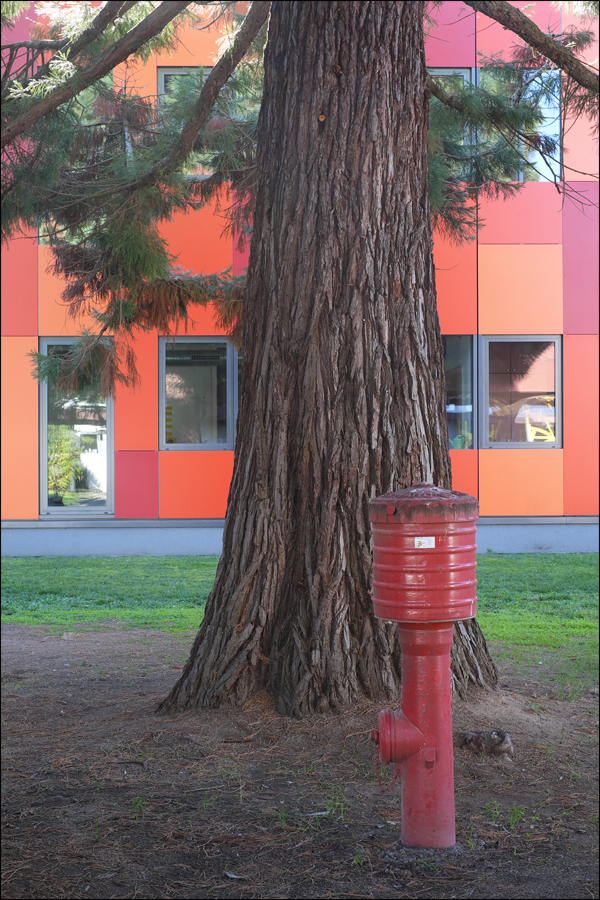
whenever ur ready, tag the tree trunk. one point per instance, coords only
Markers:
(342, 393)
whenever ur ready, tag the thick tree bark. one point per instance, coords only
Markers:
(343, 390)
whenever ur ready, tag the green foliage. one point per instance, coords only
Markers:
(10, 12)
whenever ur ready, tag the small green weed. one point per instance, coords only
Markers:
(359, 858)
(230, 769)
(336, 804)
(515, 815)
(138, 806)
(429, 862)
(282, 817)
(493, 810)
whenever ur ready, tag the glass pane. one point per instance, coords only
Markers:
(196, 393)
(522, 391)
(77, 448)
(458, 367)
(541, 89)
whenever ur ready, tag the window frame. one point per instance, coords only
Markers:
(70, 512)
(232, 391)
(484, 393)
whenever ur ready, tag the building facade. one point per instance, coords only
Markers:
(149, 472)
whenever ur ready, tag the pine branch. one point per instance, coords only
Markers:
(519, 24)
(108, 14)
(508, 132)
(100, 66)
(37, 46)
(255, 19)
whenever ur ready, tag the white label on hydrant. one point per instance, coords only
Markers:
(424, 542)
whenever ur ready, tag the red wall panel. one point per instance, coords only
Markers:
(533, 216)
(580, 258)
(492, 37)
(19, 287)
(580, 403)
(136, 485)
(451, 41)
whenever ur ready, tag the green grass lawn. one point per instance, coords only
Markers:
(538, 599)
(544, 599)
(167, 592)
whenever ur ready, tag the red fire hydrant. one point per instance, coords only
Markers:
(424, 579)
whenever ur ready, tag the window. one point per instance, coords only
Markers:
(458, 369)
(76, 452)
(521, 392)
(198, 394)
(542, 90)
(451, 78)
(168, 76)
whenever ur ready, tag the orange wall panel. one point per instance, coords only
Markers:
(19, 287)
(54, 320)
(136, 411)
(201, 322)
(520, 289)
(533, 216)
(198, 47)
(194, 484)
(521, 482)
(580, 402)
(20, 460)
(197, 240)
(456, 285)
(464, 471)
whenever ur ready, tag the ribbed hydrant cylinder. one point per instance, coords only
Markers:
(424, 579)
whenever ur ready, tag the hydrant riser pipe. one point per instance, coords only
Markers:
(427, 777)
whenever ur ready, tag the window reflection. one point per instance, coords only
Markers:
(522, 391)
(77, 447)
(458, 368)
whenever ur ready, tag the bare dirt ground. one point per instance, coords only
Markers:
(102, 798)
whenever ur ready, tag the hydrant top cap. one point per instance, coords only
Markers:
(425, 501)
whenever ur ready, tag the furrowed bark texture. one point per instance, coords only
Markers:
(343, 391)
